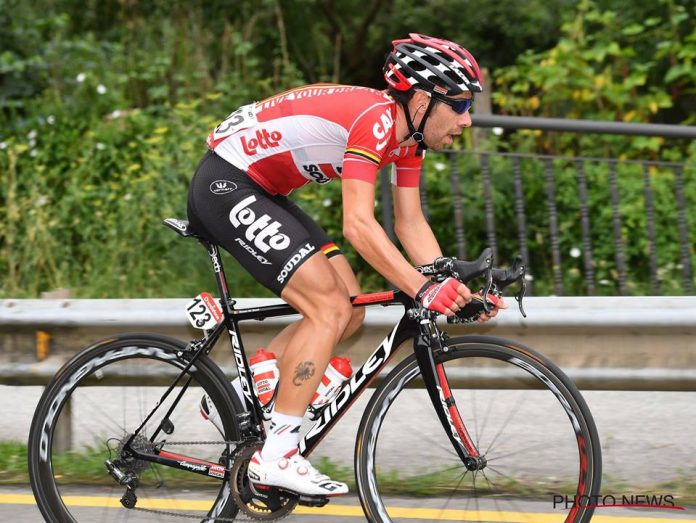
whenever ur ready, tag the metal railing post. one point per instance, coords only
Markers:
(488, 204)
(650, 225)
(618, 236)
(586, 230)
(683, 230)
(457, 207)
(553, 226)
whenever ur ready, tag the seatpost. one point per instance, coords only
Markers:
(216, 260)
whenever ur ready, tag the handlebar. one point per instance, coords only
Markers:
(496, 280)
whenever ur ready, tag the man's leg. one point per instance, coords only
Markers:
(316, 291)
(345, 272)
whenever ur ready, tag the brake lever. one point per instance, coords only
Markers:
(520, 295)
(487, 289)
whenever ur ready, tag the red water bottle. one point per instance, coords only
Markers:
(265, 373)
(338, 371)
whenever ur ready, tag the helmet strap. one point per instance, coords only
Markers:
(417, 135)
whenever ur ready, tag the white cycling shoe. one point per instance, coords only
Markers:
(293, 473)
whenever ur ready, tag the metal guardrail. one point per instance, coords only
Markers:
(40, 373)
(574, 315)
(542, 312)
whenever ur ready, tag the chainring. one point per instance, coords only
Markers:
(269, 505)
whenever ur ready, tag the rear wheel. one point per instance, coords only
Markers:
(526, 418)
(94, 405)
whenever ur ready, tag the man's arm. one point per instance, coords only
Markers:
(411, 227)
(367, 236)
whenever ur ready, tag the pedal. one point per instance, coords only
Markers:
(301, 499)
(312, 501)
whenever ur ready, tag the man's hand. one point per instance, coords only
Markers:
(498, 303)
(446, 297)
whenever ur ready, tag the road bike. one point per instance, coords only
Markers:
(478, 424)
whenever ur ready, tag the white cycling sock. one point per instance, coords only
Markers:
(283, 436)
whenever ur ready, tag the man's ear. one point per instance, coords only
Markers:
(419, 101)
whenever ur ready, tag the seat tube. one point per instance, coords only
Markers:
(240, 358)
(220, 279)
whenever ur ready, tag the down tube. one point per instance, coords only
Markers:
(403, 331)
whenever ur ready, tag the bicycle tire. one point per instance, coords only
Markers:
(110, 361)
(384, 467)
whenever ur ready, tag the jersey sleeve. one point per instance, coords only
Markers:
(406, 172)
(367, 143)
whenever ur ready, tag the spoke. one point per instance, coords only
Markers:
(511, 501)
(512, 480)
(493, 490)
(99, 409)
(513, 411)
(478, 511)
(407, 424)
(141, 404)
(454, 491)
(475, 417)
(517, 451)
(439, 472)
(485, 423)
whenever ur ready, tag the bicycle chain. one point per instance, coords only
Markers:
(194, 516)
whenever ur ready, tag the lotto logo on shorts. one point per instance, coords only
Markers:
(262, 231)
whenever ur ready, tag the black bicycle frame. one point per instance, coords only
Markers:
(425, 334)
(415, 324)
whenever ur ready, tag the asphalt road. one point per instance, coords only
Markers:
(647, 440)
(16, 504)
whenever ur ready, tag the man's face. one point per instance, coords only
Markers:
(444, 123)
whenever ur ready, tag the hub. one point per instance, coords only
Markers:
(475, 463)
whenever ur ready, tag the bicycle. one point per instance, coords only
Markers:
(435, 393)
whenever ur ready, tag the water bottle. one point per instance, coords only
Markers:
(338, 371)
(265, 373)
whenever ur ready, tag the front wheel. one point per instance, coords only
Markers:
(93, 407)
(527, 419)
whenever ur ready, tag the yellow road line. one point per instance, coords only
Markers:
(348, 510)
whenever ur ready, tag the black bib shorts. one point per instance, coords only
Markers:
(268, 234)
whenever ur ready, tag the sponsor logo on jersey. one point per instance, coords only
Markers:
(264, 233)
(305, 250)
(263, 140)
(381, 129)
(320, 173)
(222, 187)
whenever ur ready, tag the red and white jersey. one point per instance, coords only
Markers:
(313, 134)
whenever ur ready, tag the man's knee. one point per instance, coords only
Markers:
(343, 313)
(357, 317)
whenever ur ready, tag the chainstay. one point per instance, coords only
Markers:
(197, 517)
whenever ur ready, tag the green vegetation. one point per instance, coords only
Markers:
(87, 468)
(105, 106)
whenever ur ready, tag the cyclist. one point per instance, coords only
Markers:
(263, 151)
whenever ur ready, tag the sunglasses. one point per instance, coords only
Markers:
(458, 105)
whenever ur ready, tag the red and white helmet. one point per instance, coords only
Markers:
(432, 64)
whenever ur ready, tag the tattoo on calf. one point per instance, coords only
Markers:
(303, 372)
